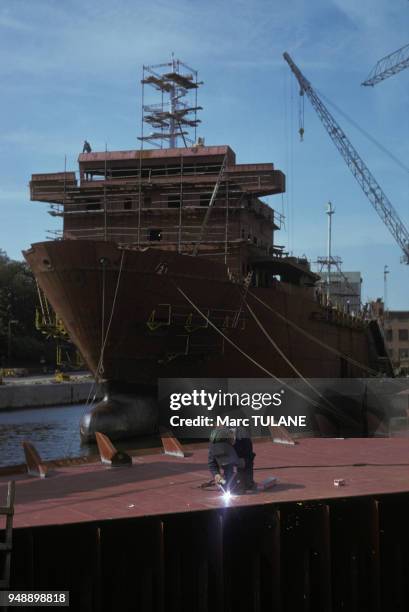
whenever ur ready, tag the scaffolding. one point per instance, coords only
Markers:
(338, 285)
(166, 205)
(163, 198)
(175, 115)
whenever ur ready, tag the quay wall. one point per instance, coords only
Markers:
(35, 395)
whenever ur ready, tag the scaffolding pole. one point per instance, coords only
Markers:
(209, 208)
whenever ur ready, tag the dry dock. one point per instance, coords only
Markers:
(41, 391)
(149, 538)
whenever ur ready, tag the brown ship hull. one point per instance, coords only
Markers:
(134, 317)
(124, 310)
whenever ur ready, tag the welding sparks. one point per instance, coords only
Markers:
(226, 494)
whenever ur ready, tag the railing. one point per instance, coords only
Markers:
(66, 187)
(111, 199)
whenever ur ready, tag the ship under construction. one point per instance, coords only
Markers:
(168, 266)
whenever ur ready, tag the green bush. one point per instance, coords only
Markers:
(18, 302)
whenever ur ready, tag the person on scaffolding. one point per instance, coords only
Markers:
(87, 147)
(231, 459)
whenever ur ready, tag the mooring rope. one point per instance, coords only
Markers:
(346, 418)
(101, 358)
(95, 383)
(246, 355)
(286, 359)
(315, 339)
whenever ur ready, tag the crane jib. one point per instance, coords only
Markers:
(355, 163)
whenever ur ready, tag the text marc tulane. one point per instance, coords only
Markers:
(256, 420)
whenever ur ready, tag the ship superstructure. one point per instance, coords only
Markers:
(160, 198)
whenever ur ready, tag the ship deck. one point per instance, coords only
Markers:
(158, 484)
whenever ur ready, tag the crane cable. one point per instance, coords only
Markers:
(282, 382)
(367, 135)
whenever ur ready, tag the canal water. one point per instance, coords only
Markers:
(53, 430)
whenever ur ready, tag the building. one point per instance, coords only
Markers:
(396, 324)
(346, 287)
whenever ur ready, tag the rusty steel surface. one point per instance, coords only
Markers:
(54, 176)
(70, 274)
(171, 445)
(305, 545)
(6, 543)
(345, 554)
(157, 153)
(281, 435)
(162, 484)
(35, 466)
(109, 454)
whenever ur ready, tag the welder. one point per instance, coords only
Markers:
(244, 449)
(231, 459)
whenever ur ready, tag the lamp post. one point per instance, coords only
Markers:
(330, 212)
(385, 290)
(10, 323)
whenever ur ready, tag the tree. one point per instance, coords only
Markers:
(18, 302)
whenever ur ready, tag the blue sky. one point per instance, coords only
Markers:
(71, 70)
